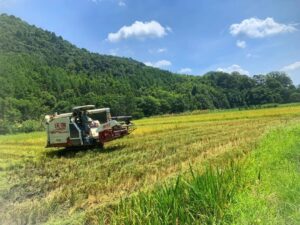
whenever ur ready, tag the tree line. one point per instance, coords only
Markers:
(40, 73)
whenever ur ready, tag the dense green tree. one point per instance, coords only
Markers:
(41, 73)
(295, 97)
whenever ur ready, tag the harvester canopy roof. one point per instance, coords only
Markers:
(95, 111)
(90, 112)
(84, 107)
(63, 115)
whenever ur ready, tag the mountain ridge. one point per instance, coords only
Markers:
(42, 73)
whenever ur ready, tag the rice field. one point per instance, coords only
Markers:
(57, 186)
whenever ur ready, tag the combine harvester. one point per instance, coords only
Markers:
(85, 127)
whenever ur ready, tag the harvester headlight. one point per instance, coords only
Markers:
(47, 118)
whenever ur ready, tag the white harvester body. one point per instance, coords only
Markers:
(85, 126)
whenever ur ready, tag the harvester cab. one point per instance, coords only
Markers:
(86, 126)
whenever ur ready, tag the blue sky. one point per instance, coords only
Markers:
(191, 37)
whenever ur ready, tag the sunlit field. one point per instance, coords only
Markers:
(58, 186)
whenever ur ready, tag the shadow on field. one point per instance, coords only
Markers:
(80, 152)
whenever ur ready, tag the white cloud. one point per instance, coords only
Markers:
(234, 68)
(169, 29)
(121, 3)
(185, 70)
(257, 28)
(140, 30)
(250, 55)
(9, 4)
(159, 64)
(161, 50)
(114, 51)
(241, 44)
(96, 1)
(158, 50)
(291, 67)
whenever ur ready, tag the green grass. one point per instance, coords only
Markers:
(56, 186)
(264, 188)
(272, 193)
(201, 199)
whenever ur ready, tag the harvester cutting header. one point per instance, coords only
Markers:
(85, 126)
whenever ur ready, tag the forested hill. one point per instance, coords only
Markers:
(41, 73)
